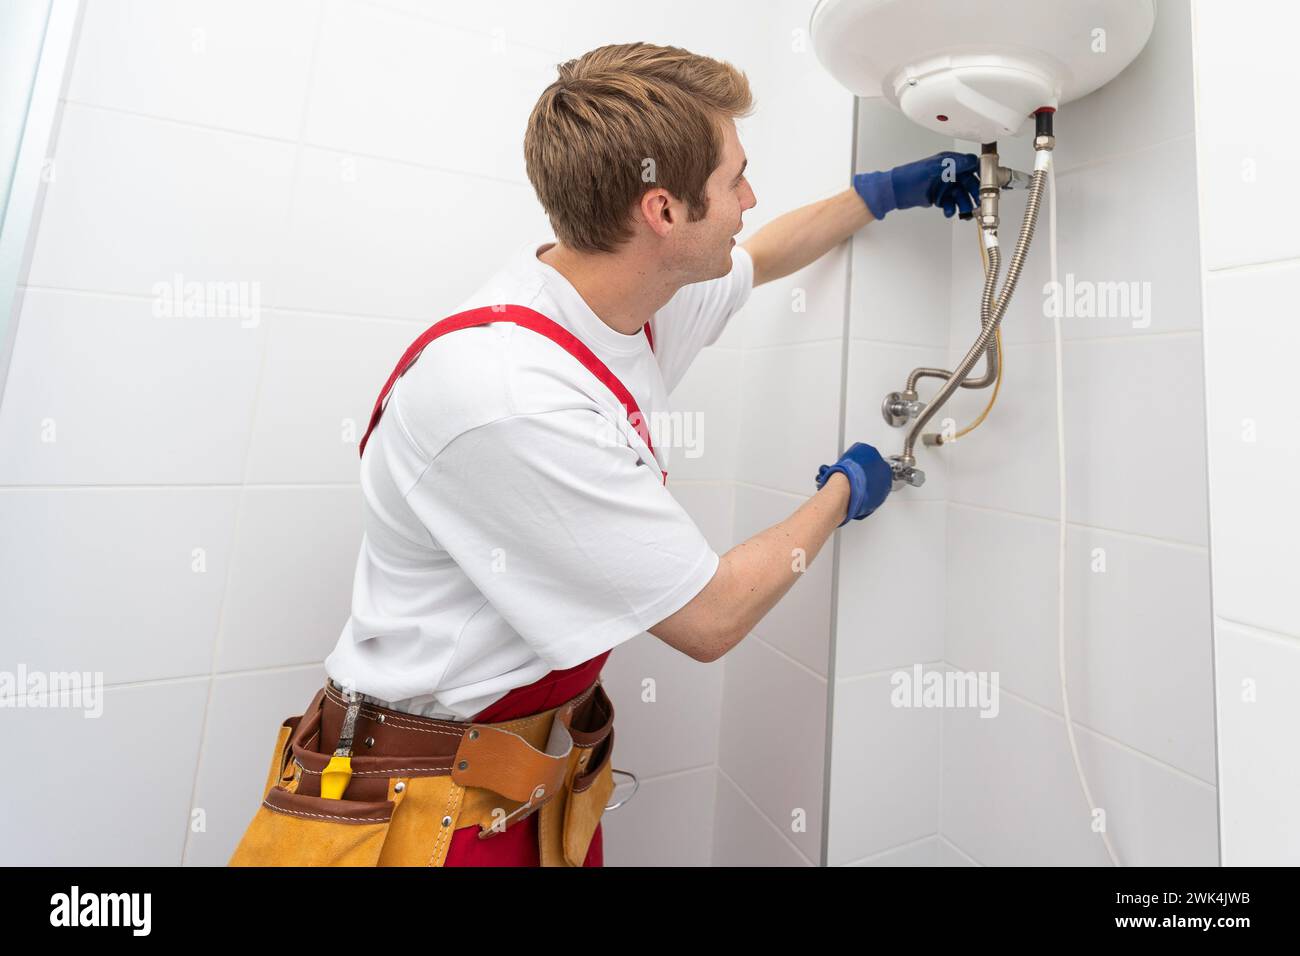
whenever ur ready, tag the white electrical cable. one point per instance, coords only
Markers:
(1060, 464)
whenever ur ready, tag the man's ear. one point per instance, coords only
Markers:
(656, 209)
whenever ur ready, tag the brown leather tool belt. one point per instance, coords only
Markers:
(509, 758)
(557, 761)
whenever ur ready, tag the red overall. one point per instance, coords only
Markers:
(518, 845)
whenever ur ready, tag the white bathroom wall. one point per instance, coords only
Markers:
(1137, 588)
(961, 573)
(884, 774)
(179, 492)
(1245, 78)
(1137, 600)
(787, 346)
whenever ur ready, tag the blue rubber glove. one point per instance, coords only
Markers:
(870, 480)
(922, 183)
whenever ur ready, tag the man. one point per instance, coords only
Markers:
(517, 523)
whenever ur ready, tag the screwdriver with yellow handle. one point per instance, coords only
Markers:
(334, 778)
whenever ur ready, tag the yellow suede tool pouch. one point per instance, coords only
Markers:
(295, 826)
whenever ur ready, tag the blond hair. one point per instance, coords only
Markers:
(623, 119)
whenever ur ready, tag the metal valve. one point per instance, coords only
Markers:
(899, 408)
(905, 473)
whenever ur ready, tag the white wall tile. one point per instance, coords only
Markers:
(795, 99)
(404, 87)
(805, 306)
(1001, 599)
(516, 21)
(128, 582)
(1123, 228)
(1251, 338)
(789, 83)
(885, 764)
(1009, 462)
(771, 705)
(789, 424)
(952, 855)
(375, 237)
(134, 201)
(1011, 797)
(921, 853)
(742, 836)
(1138, 653)
(241, 65)
(718, 29)
(666, 823)
(892, 588)
(1009, 792)
(1258, 711)
(291, 582)
(101, 391)
(1246, 70)
(1135, 436)
(1157, 815)
(140, 817)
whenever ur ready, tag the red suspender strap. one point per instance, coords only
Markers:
(529, 319)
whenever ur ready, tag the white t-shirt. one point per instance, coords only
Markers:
(514, 523)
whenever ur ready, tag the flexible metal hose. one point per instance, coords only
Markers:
(989, 317)
(994, 351)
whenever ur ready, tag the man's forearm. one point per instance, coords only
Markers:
(803, 235)
(754, 575)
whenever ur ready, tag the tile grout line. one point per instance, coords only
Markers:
(1100, 735)
(1081, 526)
(1257, 632)
(763, 816)
(858, 861)
(300, 143)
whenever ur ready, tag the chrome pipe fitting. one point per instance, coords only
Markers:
(905, 472)
(899, 408)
